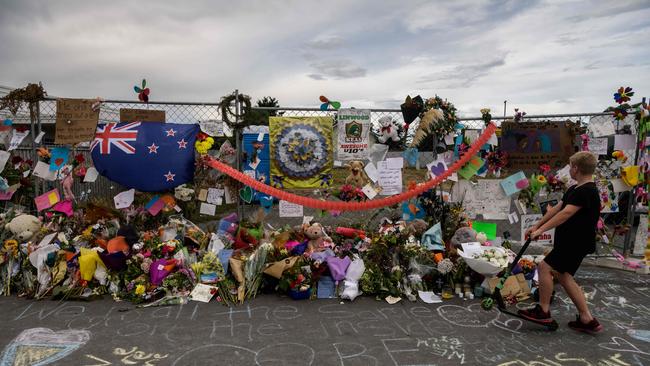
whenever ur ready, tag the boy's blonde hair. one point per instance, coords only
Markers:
(585, 161)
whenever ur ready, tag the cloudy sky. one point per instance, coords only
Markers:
(541, 56)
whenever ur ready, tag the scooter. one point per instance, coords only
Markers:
(488, 302)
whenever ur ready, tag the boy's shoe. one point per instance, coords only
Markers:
(536, 314)
(592, 327)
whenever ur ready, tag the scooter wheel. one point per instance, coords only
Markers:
(552, 326)
(487, 303)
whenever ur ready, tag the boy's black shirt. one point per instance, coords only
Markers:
(578, 233)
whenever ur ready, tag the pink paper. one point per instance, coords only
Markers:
(6, 196)
(47, 199)
(156, 207)
(64, 207)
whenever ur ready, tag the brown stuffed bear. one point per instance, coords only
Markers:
(317, 237)
(357, 177)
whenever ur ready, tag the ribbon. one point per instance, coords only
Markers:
(355, 206)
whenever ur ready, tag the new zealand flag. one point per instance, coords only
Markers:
(147, 156)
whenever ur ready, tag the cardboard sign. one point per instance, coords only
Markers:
(75, 121)
(353, 134)
(141, 115)
(528, 221)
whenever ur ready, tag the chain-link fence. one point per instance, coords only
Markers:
(210, 112)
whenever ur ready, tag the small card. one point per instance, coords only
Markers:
(155, 205)
(255, 163)
(124, 199)
(39, 138)
(4, 157)
(250, 173)
(513, 218)
(619, 185)
(214, 196)
(369, 191)
(208, 209)
(203, 292)
(288, 209)
(91, 175)
(203, 195)
(16, 139)
(598, 146)
(514, 183)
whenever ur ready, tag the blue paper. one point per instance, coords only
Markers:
(59, 158)
(326, 288)
(514, 183)
(224, 255)
(432, 238)
(411, 156)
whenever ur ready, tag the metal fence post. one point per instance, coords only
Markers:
(238, 138)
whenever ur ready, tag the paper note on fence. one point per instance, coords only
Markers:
(390, 180)
(288, 209)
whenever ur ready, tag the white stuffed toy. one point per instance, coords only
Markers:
(24, 227)
(388, 130)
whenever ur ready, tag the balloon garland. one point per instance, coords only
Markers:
(355, 206)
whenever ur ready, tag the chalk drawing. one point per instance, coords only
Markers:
(642, 335)
(129, 357)
(42, 346)
(622, 345)
(290, 354)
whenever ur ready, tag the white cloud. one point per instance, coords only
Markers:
(544, 57)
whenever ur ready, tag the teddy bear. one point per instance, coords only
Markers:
(24, 227)
(317, 237)
(388, 130)
(357, 177)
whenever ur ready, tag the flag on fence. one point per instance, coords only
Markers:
(148, 156)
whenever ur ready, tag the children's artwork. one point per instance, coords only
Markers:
(47, 200)
(301, 151)
(255, 143)
(353, 134)
(483, 198)
(601, 127)
(489, 228)
(528, 221)
(598, 146)
(59, 158)
(608, 198)
(437, 167)
(76, 121)
(529, 145)
(390, 180)
(514, 183)
(471, 168)
(124, 199)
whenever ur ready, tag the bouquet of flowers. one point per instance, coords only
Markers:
(350, 193)
(488, 261)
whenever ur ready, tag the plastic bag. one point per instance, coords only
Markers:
(355, 270)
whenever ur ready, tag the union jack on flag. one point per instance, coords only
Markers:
(112, 134)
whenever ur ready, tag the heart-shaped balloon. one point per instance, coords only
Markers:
(246, 194)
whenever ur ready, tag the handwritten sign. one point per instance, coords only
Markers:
(485, 198)
(141, 115)
(288, 209)
(528, 221)
(215, 196)
(598, 146)
(76, 121)
(390, 180)
(17, 138)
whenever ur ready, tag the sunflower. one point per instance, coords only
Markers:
(541, 179)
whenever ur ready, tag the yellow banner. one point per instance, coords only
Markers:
(301, 151)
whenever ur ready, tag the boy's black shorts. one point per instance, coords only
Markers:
(565, 261)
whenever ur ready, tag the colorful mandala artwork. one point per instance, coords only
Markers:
(301, 151)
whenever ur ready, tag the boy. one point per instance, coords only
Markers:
(574, 218)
